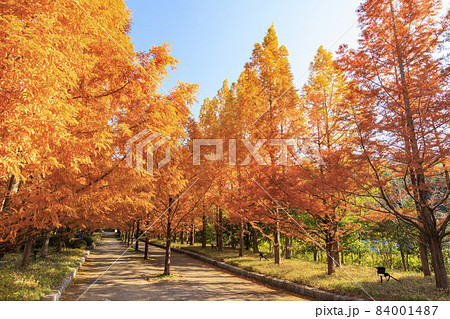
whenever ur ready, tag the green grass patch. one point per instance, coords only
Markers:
(412, 285)
(171, 276)
(160, 277)
(39, 278)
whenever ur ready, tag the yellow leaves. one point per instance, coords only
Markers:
(72, 99)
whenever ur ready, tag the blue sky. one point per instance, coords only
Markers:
(213, 39)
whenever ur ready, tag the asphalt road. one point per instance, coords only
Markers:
(132, 278)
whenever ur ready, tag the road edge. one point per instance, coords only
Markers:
(56, 294)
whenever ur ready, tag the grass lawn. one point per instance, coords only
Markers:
(40, 277)
(412, 286)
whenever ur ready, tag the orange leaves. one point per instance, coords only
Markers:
(72, 92)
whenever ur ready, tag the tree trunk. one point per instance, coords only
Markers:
(276, 243)
(44, 249)
(217, 233)
(241, 238)
(255, 241)
(192, 237)
(276, 248)
(168, 253)
(417, 171)
(330, 261)
(402, 254)
(131, 235)
(182, 237)
(13, 187)
(400, 246)
(335, 254)
(59, 247)
(424, 257)
(168, 241)
(146, 249)
(288, 243)
(440, 274)
(136, 248)
(233, 239)
(204, 230)
(407, 261)
(27, 252)
(220, 231)
(247, 237)
(315, 251)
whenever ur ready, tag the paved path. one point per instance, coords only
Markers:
(195, 280)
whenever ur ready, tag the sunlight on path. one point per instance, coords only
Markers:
(127, 279)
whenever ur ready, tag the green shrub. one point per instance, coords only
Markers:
(53, 240)
(77, 243)
(88, 239)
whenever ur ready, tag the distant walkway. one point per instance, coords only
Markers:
(194, 280)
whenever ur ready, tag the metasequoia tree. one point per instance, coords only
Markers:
(266, 93)
(400, 109)
(178, 196)
(211, 128)
(319, 181)
(222, 118)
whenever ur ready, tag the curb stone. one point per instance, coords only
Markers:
(56, 294)
(295, 288)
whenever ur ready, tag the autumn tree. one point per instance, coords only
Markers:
(179, 192)
(325, 105)
(212, 129)
(266, 95)
(400, 109)
(82, 93)
(54, 70)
